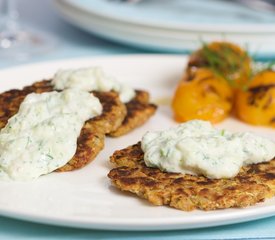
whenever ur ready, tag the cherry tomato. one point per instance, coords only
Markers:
(256, 105)
(225, 59)
(205, 97)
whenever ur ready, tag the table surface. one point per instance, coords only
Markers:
(76, 43)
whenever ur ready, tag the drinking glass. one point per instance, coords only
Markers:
(17, 40)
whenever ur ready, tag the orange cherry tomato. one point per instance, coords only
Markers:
(225, 59)
(205, 97)
(256, 105)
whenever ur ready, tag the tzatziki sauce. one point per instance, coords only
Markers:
(91, 79)
(42, 136)
(197, 148)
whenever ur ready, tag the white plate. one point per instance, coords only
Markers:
(199, 15)
(85, 198)
(94, 19)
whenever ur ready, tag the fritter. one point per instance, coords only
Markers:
(253, 184)
(91, 139)
(139, 110)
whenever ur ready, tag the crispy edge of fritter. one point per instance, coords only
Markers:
(114, 112)
(91, 139)
(253, 184)
(139, 110)
(89, 143)
(135, 113)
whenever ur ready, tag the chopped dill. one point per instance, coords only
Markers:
(230, 64)
(225, 62)
(270, 65)
(28, 141)
(49, 156)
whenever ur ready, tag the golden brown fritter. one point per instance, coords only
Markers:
(253, 184)
(91, 139)
(89, 143)
(139, 110)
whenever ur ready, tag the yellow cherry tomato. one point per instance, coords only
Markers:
(256, 105)
(205, 97)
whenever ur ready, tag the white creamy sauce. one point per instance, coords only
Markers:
(42, 136)
(91, 79)
(196, 147)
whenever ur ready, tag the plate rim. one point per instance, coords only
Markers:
(129, 225)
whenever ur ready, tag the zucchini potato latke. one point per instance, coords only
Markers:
(116, 119)
(253, 184)
(91, 139)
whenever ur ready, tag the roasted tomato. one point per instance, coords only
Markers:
(225, 59)
(256, 105)
(205, 97)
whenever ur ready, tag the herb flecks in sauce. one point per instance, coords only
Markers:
(42, 136)
(196, 147)
(91, 79)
